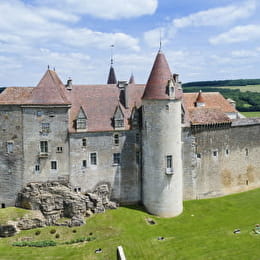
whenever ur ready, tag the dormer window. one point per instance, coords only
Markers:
(81, 121)
(118, 118)
(170, 88)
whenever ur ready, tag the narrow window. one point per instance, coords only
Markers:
(10, 147)
(169, 166)
(45, 128)
(44, 146)
(37, 168)
(116, 139)
(227, 152)
(137, 157)
(246, 152)
(75, 189)
(79, 189)
(39, 113)
(59, 149)
(198, 155)
(84, 142)
(93, 158)
(215, 153)
(3, 205)
(116, 158)
(137, 138)
(119, 123)
(84, 163)
(54, 165)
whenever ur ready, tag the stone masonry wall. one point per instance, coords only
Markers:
(221, 161)
(57, 138)
(124, 179)
(11, 163)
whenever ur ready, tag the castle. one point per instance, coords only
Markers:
(150, 143)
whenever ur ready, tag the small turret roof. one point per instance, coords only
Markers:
(200, 98)
(158, 79)
(111, 76)
(49, 91)
(132, 79)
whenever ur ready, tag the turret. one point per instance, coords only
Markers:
(162, 161)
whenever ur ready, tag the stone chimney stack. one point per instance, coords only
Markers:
(69, 84)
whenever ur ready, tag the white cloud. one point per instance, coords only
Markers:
(217, 16)
(154, 36)
(237, 34)
(246, 53)
(108, 9)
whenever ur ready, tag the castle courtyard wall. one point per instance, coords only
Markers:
(219, 161)
(123, 178)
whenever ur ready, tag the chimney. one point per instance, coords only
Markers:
(69, 84)
(175, 77)
(123, 86)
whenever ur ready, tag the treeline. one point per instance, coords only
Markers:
(2, 89)
(221, 83)
(245, 101)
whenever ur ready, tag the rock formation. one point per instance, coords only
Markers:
(56, 200)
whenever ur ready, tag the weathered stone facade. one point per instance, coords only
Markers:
(149, 143)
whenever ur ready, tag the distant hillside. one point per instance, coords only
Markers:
(247, 101)
(2, 89)
(221, 83)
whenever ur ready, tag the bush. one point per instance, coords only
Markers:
(44, 243)
(37, 233)
(74, 231)
(79, 240)
(57, 236)
(53, 231)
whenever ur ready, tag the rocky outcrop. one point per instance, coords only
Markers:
(56, 200)
(7, 230)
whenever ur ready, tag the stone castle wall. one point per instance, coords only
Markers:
(124, 178)
(56, 136)
(11, 162)
(221, 161)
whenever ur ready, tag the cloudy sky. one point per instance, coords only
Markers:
(202, 39)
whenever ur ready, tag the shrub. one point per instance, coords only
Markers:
(74, 231)
(57, 236)
(53, 231)
(79, 240)
(38, 232)
(44, 243)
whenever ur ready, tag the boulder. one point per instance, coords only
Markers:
(7, 230)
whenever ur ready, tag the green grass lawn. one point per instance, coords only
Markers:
(203, 231)
(252, 88)
(251, 114)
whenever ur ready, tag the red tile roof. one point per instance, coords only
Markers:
(99, 103)
(49, 91)
(159, 79)
(15, 95)
(211, 100)
(202, 115)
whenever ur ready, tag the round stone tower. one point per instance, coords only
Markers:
(162, 192)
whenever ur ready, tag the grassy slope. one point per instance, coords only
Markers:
(203, 231)
(251, 114)
(252, 88)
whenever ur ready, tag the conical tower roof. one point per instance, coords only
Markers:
(200, 98)
(132, 79)
(158, 79)
(111, 76)
(50, 90)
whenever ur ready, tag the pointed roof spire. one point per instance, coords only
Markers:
(158, 79)
(112, 75)
(50, 90)
(200, 101)
(132, 79)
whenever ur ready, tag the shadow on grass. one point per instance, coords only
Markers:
(135, 207)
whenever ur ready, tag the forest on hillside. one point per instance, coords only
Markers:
(245, 101)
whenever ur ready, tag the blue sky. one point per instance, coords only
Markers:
(202, 39)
